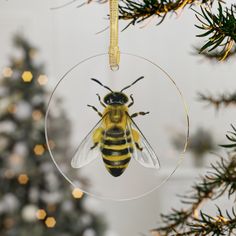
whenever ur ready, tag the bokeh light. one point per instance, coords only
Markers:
(37, 115)
(27, 76)
(50, 222)
(39, 149)
(42, 79)
(41, 214)
(7, 72)
(77, 193)
(23, 179)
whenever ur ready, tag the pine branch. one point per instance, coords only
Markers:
(138, 11)
(219, 225)
(220, 100)
(214, 55)
(220, 28)
(213, 185)
(231, 136)
(208, 225)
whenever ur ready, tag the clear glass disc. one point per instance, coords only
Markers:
(156, 93)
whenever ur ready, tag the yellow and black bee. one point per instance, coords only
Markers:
(116, 138)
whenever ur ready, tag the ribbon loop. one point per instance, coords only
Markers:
(114, 51)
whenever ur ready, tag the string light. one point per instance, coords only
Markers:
(42, 80)
(37, 115)
(41, 214)
(7, 72)
(27, 76)
(50, 222)
(23, 179)
(77, 193)
(39, 149)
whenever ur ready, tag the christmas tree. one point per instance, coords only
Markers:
(34, 198)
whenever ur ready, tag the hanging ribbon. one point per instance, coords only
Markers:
(114, 52)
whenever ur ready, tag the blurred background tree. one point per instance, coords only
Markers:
(34, 198)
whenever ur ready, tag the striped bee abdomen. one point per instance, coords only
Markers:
(116, 149)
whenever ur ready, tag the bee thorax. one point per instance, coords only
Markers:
(116, 116)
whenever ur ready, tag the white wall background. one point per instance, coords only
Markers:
(67, 36)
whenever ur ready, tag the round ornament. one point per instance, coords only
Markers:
(121, 122)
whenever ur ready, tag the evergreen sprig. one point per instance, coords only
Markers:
(220, 28)
(214, 55)
(138, 11)
(231, 136)
(191, 221)
(219, 225)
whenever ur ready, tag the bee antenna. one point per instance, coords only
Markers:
(104, 86)
(132, 84)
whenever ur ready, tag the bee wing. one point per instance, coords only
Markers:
(147, 156)
(84, 154)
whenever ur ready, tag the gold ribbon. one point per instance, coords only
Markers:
(114, 51)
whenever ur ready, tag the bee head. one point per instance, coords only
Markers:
(115, 98)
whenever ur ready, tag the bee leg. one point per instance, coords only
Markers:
(139, 113)
(95, 109)
(138, 147)
(132, 100)
(99, 98)
(95, 145)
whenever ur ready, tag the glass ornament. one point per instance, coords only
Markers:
(156, 93)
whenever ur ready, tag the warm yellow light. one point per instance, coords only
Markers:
(41, 214)
(42, 79)
(196, 214)
(23, 179)
(77, 193)
(39, 149)
(221, 219)
(37, 115)
(50, 222)
(27, 76)
(7, 72)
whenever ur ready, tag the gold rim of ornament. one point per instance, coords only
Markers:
(181, 155)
